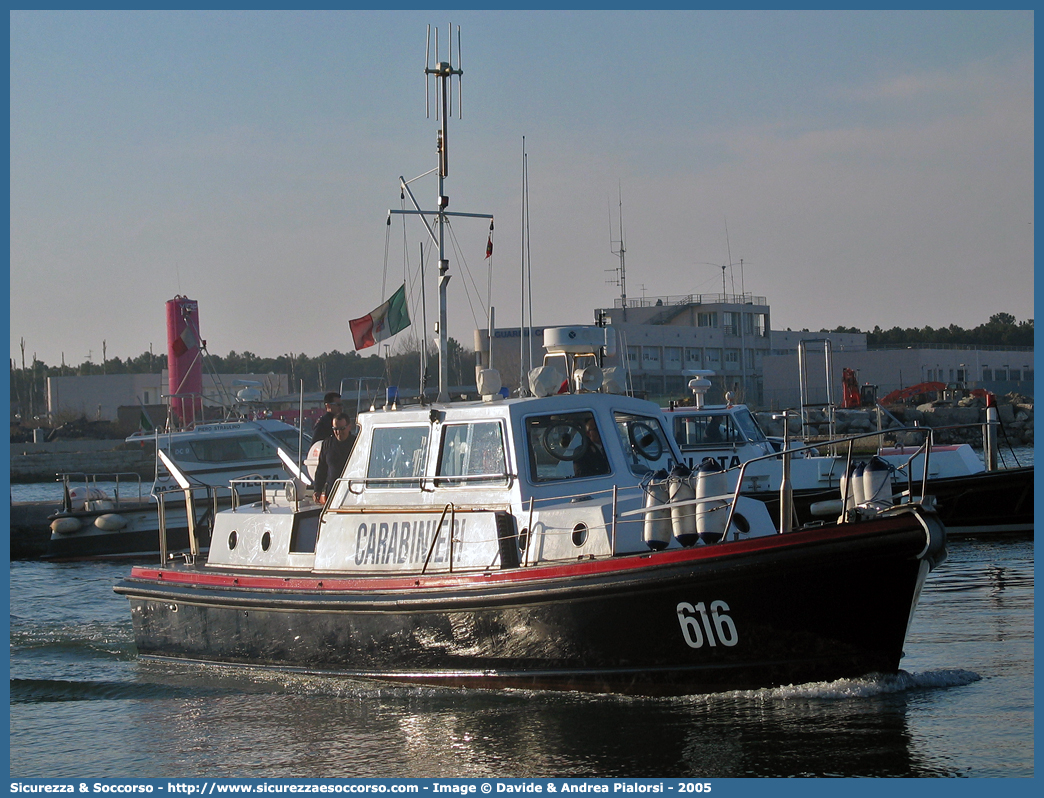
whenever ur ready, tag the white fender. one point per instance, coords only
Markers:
(877, 484)
(311, 462)
(711, 516)
(111, 522)
(65, 525)
(657, 529)
(683, 517)
(852, 485)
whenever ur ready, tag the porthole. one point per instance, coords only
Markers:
(741, 524)
(233, 538)
(266, 540)
(523, 539)
(579, 534)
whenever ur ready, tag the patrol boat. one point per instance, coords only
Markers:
(545, 541)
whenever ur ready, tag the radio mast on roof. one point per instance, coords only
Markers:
(621, 279)
(444, 72)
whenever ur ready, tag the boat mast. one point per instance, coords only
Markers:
(444, 72)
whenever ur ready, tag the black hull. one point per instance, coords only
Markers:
(807, 606)
(139, 541)
(992, 502)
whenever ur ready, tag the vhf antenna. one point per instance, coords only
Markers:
(622, 280)
(443, 71)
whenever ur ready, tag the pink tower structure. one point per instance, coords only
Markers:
(184, 362)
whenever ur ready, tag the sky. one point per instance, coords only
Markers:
(866, 168)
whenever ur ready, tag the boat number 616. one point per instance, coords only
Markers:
(714, 627)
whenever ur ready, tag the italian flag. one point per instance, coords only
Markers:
(390, 318)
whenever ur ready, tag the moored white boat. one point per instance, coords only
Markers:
(99, 524)
(970, 498)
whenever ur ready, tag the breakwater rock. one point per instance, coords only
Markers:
(40, 462)
(959, 423)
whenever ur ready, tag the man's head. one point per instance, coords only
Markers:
(342, 426)
(332, 400)
(591, 428)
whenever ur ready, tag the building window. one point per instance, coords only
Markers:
(651, 358)
(693, 357)
(987, 374)
(713, 358)
(672, 358)
(707, 319)
(653, 385)
(632, 356)
(761, 324)
(729, 323)
(1015, 374)
(748, 324)
(674, 384)
(748, 357)
(732, 359)
(1000, 374)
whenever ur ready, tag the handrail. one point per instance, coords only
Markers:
(927, 431)
(289, 487)
(419, 481)
(93, 479)
(435, 538)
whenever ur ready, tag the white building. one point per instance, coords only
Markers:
(997, 369)
(99, 396)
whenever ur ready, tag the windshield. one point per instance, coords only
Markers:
(397, 453)
(644, 444)
(749, 425)
(288, 439)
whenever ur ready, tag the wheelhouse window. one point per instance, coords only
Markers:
(288, 440)
(748, 425)
(472, 454)
(565, 446)
(396, 454)
(644, 443)
(225, 449)
(715, 430)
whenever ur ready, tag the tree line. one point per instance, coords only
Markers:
(325, 372)
(1001, 330)
(330, 369)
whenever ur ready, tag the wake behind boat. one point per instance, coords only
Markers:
(546, 541)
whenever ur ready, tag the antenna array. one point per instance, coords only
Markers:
(442, 69)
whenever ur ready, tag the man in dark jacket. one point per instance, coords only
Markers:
(321, 430)
(332, 457)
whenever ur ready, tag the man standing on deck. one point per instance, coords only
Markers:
(332, 457)
(321, 431)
